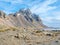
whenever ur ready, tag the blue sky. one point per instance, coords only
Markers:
(48, 10)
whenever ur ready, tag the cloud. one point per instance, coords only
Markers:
(56, 15)
(12, 1)
(10, 6)
(43, 7)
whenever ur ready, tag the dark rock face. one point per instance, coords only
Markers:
(36, 17)
(23, 18)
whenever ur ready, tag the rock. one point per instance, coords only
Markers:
(17, 36)
(48, 35)
(2, 14)
(56, 41)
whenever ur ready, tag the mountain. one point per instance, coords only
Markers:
(22, 18)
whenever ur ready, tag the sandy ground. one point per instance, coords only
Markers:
(28, 37)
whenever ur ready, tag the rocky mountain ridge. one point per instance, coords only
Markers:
(22, 18)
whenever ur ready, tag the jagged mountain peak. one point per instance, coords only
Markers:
(25, 11)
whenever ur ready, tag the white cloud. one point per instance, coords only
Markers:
(56, 15)
(12, 2)
(43, 7)
(47, 19)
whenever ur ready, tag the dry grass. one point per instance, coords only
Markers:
(4, 28)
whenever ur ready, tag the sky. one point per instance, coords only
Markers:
(48, 10)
